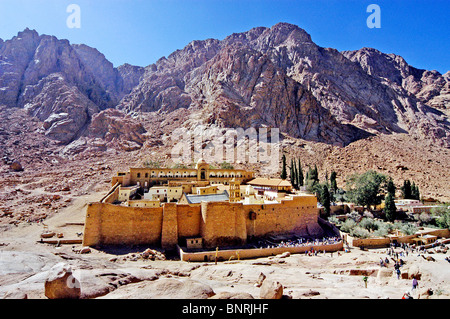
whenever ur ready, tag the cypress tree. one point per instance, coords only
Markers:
(389, 207)
(295, 176)
(292, 173)
(300, 174)
(391, 188)
(283, 170)
(333, 184)
(316, 173)
(415, 194)
(406, 189)
(326, 200)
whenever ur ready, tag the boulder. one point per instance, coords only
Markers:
(61, 284)
(311, 293)
(85, 250)
(260, 280)
(16, 166)
(163, 288)
(284, 255)
(413, 272)
(425, 293)
(271, 289)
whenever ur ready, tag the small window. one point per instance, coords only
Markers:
(138, 175)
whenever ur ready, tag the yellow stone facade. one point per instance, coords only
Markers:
(146, 177)
(217, 223)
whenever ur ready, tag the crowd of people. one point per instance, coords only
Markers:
(302, 242)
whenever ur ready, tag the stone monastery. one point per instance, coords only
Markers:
(199, 208)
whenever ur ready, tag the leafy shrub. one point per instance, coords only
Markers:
(360, 232)
(348, 225)
(354, 216)
(333, 219)
(408, 228)
(368, 223)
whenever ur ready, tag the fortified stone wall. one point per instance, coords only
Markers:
(223, 223)
(114, 224)
(218, 223)
(289, 216)
(189, 220)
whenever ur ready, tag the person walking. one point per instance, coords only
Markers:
(398, 273)
(365, 281)
(415, 284)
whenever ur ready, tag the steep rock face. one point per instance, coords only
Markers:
(130, 75)
(117, 129)
(241, 87)
(15, 55)
(276, 77)
(279, 77)
(61, 84)
(430, 87)
(105, 73)
(63, 108)
(162, 85)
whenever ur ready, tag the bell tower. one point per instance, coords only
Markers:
(235, 191)
(202, 170)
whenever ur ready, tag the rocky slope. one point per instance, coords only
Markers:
(276, 77)
(429, 87)
(279, 77)
(61, 84)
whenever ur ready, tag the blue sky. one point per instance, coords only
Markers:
(139, 32)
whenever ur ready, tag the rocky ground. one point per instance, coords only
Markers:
(124, 273)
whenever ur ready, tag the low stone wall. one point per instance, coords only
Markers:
(385, 241)
(368, 242)
(253, 252)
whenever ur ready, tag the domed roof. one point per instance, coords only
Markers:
(201, 161)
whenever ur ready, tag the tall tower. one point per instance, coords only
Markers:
(235, 190)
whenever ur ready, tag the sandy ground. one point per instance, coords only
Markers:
(24, 266)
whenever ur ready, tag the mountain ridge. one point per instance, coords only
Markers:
(320, 94)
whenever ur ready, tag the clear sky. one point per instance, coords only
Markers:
(139, 32)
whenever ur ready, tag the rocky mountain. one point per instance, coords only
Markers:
(279, 77)
(276, 77)
(429, 87)
(61, 84)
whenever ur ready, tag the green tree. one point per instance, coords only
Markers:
(333, 183)
(415, 194)
(391, 187)
(314, 175)
(226, 165)
(283, 169)
(389, 207)
(406, 189)
(365, 189)
(293, 176)
(300, 177)
(326, 200)
(442, 215)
